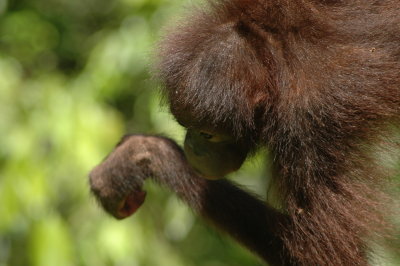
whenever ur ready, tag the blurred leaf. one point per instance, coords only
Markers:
(50, 243)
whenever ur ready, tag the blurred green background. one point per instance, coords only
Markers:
(74, 78)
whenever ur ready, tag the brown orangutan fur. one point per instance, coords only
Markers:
(318, 83)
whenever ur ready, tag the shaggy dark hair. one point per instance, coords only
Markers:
(318, 82)
(315, 81)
